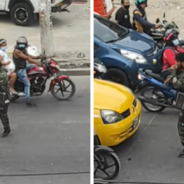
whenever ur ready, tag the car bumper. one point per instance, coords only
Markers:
(115, 134)
(61, 6)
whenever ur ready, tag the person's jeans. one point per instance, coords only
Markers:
(22, 75)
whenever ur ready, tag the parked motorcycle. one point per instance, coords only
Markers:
(101, 154)
(158, 34)
(38, 77)
(99, 69)
(162, 96)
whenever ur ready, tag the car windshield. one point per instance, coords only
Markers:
(108, 31)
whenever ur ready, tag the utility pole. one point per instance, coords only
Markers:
(46, 28)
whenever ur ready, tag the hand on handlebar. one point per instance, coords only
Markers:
(157, 26)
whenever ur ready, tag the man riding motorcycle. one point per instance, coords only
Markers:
(172, 48)
(140, 22)
(20, 57)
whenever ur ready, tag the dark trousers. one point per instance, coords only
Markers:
(4, 116)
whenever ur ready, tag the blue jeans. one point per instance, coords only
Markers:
(22, 75)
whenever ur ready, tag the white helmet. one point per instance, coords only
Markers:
(33, 51)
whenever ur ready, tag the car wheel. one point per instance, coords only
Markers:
(22, 14)
(118, 76)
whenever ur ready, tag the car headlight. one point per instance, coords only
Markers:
(110, 117)
(133, 56)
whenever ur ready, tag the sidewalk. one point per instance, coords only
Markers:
(71, 37)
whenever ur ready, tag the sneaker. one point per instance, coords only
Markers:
(30, 104)
(6, 133)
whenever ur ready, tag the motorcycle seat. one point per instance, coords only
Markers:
(155, 75)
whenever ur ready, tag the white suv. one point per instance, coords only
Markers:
(23, 12)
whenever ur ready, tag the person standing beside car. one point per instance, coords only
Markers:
(122, 15)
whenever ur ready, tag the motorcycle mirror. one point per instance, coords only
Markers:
(157, 20)
(164, 15)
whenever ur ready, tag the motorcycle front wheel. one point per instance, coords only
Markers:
(66, 88)
(101, 164)
(156, 95)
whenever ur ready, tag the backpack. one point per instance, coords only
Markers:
(157, 67)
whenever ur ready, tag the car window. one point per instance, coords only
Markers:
(108, 31)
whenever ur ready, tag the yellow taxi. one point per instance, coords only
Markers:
(117, 112)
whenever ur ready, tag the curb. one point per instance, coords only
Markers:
(76, 71)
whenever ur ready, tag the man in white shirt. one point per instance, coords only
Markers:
(10, 67)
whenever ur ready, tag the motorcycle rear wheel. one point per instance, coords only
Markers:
(102, 153)
(54, 93)
(146, 105)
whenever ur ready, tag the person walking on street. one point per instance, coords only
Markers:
(122, 15)
(4, 98)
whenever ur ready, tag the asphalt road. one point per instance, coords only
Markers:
(151, 154)
(50, 138)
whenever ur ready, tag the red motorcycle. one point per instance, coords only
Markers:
(38, 77)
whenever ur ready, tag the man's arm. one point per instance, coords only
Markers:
(23, 56)
(118, 17)
(143, 21)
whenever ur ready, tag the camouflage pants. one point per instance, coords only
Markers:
(181, 127)
(4, 116)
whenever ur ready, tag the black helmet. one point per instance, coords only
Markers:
(21, 43)
(171, 37)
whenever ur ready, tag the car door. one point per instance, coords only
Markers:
(2, 4)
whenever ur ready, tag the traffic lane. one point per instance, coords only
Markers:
(63, 179)
(151, 155)
(53, 137)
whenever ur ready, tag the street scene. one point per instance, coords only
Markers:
(50, 143)
(149, 154)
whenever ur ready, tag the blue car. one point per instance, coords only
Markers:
(122, 51)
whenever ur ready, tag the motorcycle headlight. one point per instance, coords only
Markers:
(110, 117)
(133, 56)
(140, 77)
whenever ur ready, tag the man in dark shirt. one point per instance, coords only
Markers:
(123, 15)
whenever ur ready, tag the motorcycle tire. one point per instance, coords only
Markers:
(116, 160)
(144, 104)
(54, 94)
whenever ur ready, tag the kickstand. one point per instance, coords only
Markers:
(181, 155)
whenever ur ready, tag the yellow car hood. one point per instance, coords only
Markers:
(112, 96)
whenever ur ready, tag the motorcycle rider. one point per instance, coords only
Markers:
(20, 57)
(9, 67)
(140, 22)
(172, 48)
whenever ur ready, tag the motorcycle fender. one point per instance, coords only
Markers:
(59, 78)
(104, 148)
